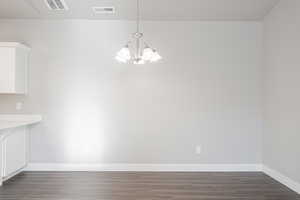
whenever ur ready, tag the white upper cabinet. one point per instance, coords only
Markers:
(13, 68)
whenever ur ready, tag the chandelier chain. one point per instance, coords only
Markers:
(137, 16)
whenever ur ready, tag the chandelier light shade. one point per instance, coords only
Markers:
(137, 51)
(123, 55)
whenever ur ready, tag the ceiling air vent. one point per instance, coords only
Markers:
(104, 10)
(56, 4)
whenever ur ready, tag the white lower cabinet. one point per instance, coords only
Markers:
(13, 152)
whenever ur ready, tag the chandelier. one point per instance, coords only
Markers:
(137, 51)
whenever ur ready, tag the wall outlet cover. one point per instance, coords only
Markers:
(19, 106)
(198, 149)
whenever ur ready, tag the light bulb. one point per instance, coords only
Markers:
(147, 54)
(156, 57)
(138, 61)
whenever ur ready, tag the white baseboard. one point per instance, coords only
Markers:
(168, 168)
(293, 185)
(144, 167)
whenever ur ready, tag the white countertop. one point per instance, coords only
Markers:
(12, 121)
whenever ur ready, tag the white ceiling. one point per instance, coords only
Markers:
(151, 9)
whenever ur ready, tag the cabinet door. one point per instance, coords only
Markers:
(7, 64)
(13, 68)
(14, 151)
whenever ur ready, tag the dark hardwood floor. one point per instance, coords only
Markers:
(144, 186)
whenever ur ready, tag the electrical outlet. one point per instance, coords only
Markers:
(19, 106)
(198, 149)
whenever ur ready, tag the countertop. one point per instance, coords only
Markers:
(12, 121)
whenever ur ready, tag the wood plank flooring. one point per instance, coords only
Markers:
(144, 186)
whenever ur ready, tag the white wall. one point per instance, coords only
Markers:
(207, 90)
(282, 44)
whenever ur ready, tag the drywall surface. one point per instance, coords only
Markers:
(206, 91)
(281, 147)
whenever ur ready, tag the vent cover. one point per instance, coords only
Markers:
(56, 4)
(104, 10)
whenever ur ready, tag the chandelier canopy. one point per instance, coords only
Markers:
(136, 50)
